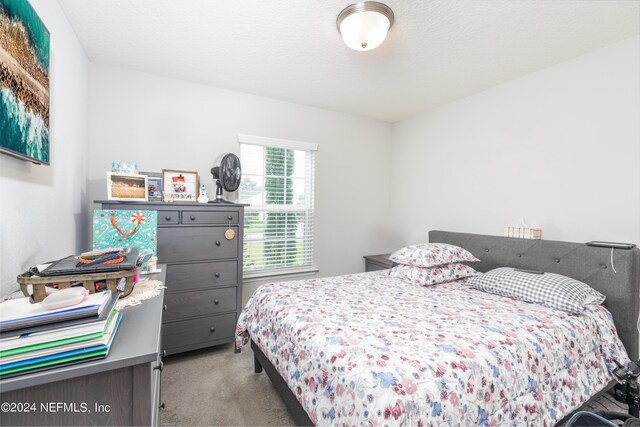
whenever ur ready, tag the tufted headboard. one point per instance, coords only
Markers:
(588, 264)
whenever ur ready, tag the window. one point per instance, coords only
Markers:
(278, 184)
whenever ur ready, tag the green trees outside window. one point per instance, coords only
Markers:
(278, 222)
(280, 229)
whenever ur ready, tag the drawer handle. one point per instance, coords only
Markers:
(216, 302)
(168, 218)
(164, 307)
(161, 407)
(193, 217)
(217, 242)
(217, 274)
(160, 366)
(212, 329)
(229, 217)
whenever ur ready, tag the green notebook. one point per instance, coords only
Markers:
(64, 357)
(54, 362)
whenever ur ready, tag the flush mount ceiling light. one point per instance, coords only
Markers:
(364, 25)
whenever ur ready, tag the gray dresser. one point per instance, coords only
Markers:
(122, 389)
(204, 270)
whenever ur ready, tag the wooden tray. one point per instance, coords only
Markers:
(63, 282)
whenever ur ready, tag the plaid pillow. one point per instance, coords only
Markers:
(431, 255)
(548, 289)
(432, 275)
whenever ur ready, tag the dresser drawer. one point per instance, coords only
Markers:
(177, 244)
(195, 331)
(201, 217)
(199, 303)
(168, 217)
(182, 277)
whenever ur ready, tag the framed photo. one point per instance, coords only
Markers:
(179, 186)
(154, 186)
(24, 79)
(129, 187)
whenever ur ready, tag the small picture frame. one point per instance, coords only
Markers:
(154, 186)
(128, 187)
(179, 186)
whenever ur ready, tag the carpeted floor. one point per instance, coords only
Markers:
(215, 387)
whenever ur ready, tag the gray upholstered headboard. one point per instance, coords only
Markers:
(588, 264)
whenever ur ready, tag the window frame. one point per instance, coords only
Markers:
(309, 205)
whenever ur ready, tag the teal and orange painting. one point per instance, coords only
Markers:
(24, 82)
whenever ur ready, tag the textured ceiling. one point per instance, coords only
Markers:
(436, 52)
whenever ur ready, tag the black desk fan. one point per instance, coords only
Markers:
(227, 176)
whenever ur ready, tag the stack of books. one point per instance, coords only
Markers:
(33, 338)
(523, 233)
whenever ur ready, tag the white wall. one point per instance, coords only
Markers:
(560, 147)
(41, 207)
(166, 123)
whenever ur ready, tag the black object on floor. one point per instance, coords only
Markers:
(602, 419)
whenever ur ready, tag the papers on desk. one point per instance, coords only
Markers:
(52, 343)
(56, 336)
(63, 351)
(62, 327)
(20, 313)
(63, 355)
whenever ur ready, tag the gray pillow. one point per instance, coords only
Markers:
(547, 289)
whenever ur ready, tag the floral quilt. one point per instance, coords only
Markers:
(369, 349)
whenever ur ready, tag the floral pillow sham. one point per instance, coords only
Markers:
(547, 289)
(432, 275)
(431, 255)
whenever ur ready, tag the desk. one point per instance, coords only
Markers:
(122, 389)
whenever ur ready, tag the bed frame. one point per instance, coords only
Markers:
(591, 265)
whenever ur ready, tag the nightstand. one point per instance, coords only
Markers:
(377, 262)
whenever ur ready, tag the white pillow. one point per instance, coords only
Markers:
(425, 276)
(431, 255)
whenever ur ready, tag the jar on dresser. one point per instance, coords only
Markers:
(204, 270)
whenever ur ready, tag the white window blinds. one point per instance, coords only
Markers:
(278, 184)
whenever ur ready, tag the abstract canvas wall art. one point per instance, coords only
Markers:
(24, 82)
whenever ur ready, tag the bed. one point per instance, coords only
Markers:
(370, 349)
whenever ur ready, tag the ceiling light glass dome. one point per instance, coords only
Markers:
(364, 25)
